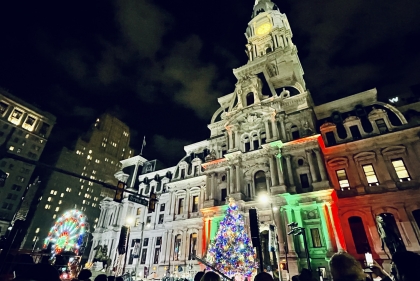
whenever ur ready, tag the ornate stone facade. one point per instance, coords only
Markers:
(333, 169)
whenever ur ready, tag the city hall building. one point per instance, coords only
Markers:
(344, 171)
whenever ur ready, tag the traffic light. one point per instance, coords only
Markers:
(283, 265)
(152, 202)
(119, 193)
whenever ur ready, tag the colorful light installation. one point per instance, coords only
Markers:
(67, 233)
(231, 252)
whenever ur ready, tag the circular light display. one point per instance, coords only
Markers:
(67, 233)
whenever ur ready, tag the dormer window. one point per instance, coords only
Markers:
(355, 132)
(3, 107)
(330, 138)
(381, 125)
(249, 99)
(29, 123)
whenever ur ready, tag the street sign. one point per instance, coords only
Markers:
(138, 200)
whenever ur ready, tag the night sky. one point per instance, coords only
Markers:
(160, 65)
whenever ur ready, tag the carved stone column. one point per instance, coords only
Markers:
(232, 179)
(282, 128)
(311, 165)
(272, 170)
(322, 215)
(290, 171)
(200, 242)
(337, 233)
(279, 170)
(290, 245)
(238, 178)
(169, 250)
(320, 165)
(267, 130)
(230, 139)
(274, 128)
(228, 180)
(212, 182)
(237, 140)
(162, 255)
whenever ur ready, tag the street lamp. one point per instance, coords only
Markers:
(297, 230)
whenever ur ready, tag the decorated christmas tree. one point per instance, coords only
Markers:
(231, 252)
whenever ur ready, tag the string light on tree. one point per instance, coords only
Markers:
(67, 233)
(231, 252)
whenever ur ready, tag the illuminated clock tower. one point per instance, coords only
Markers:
(270, 48)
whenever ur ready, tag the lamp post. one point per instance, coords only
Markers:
(264, 198)
(297, 230)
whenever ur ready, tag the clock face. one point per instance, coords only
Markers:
(264, 29)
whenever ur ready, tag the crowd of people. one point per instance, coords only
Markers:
(343, 266)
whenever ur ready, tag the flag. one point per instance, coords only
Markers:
(144, 141)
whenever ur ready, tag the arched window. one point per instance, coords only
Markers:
(255, 142)
(247, 144)
(388, 231)
(268, 50)
(358, 233)
(263, 137)
(177, 247)
(249, 98)
(193, 245)
(260, 182)
(294, 130)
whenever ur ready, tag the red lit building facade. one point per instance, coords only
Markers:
(371, 154)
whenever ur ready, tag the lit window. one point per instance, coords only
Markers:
(96, 220)
(79, 193)
(83, 201)
(87, 189)
(59, 202)
(90, 183)
(106, 160)
(54, 216)
(35, 239)
(52, 191)
(84, 168)
(29, 123)
(401, 170)
(89, 157)
(78, 152)
(11, 148)
(37, 230)
(57, 209)
(97, 161)
(94, 172)
(47, 206)
(81, 187)
(55, 192)
(370, 175)
(62, 195)
(49, 199)
(342, 179)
